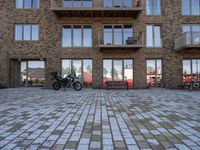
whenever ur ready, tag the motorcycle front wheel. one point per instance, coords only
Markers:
(77, 86)
(56, 85)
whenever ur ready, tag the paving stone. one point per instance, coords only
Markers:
(98, 119)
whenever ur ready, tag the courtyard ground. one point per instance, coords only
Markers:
(34, 118)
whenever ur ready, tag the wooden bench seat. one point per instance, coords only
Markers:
(117, 84)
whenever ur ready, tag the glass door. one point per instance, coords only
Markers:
(154, 72)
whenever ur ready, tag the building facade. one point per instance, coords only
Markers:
(145, 42)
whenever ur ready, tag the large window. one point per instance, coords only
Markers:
(82, 68)
(28, 4)
(78, 3)
(77, 36)
(192, 32)
(154, 72)
(191, 7)
(117, 34)
(153, 7)
(117, 3)
(26, 32)
(117, 70)
(153, 36)
(191, 70)
(32, 73)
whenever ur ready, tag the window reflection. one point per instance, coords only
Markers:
(154, 72)
(117, 35)
(190, 7)
(117, 70)
(78, 3)
(153, 7)
(153, 37)
(191, 70)
(82, 68)
(107, 35)
(32, 73)
(77, 36)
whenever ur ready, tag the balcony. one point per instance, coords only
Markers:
(95, 10)
(120, 43)
(188, 40)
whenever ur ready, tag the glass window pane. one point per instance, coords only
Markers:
(107, 35)
(187, 71)
(18, 32)
(27, 3)
(66, 67)
(117, 70)
(19, 3)
(87, 71)
(128, 71)
(87, 3)
(107, 70)
(127, 3)
(186, 28)
(186, 7)
(157, 9)
(118, 35)
(77, 36)
(77, 67)
(36, 4)
(157, 37)
(36, 73)
(108, 3)
(159, 72)
(35, 32)
(195, 34)
(149, 36)
(87, 36)
(77, 3)
(66, 37)
(151, 72)
(67, 3)
(117, 3)
(27, 32)
(128, 34)
(23, 70)
(195, 7)
(149, 7)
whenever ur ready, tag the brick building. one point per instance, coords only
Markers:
(154, 42)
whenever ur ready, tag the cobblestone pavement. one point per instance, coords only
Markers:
(33, 118)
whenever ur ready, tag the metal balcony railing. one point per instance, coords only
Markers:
(98, 9)
(188, 40)
(118, 40)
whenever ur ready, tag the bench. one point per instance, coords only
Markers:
(117, 84)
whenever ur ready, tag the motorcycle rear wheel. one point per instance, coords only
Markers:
(56, 85)
(77, 86)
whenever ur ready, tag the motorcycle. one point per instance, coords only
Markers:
(69, 81)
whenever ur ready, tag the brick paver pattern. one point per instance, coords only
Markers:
(34, 118)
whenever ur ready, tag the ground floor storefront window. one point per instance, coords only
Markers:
(82, 68)
(154, 72)
(191, 70)
(117, 70)
(32, 73)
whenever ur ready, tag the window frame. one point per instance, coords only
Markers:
(72, 35)
(113, 27)
(22, 33)
(23, 5)
(72, 4)
(190, 7)
(123, 69)
(153, 36)
(153, 11)
(122, 2)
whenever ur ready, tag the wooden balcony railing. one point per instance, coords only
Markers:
(128, 43)
(96, 10)
(188, 40)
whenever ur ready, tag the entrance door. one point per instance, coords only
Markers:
(32, 73)
(154, 72)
